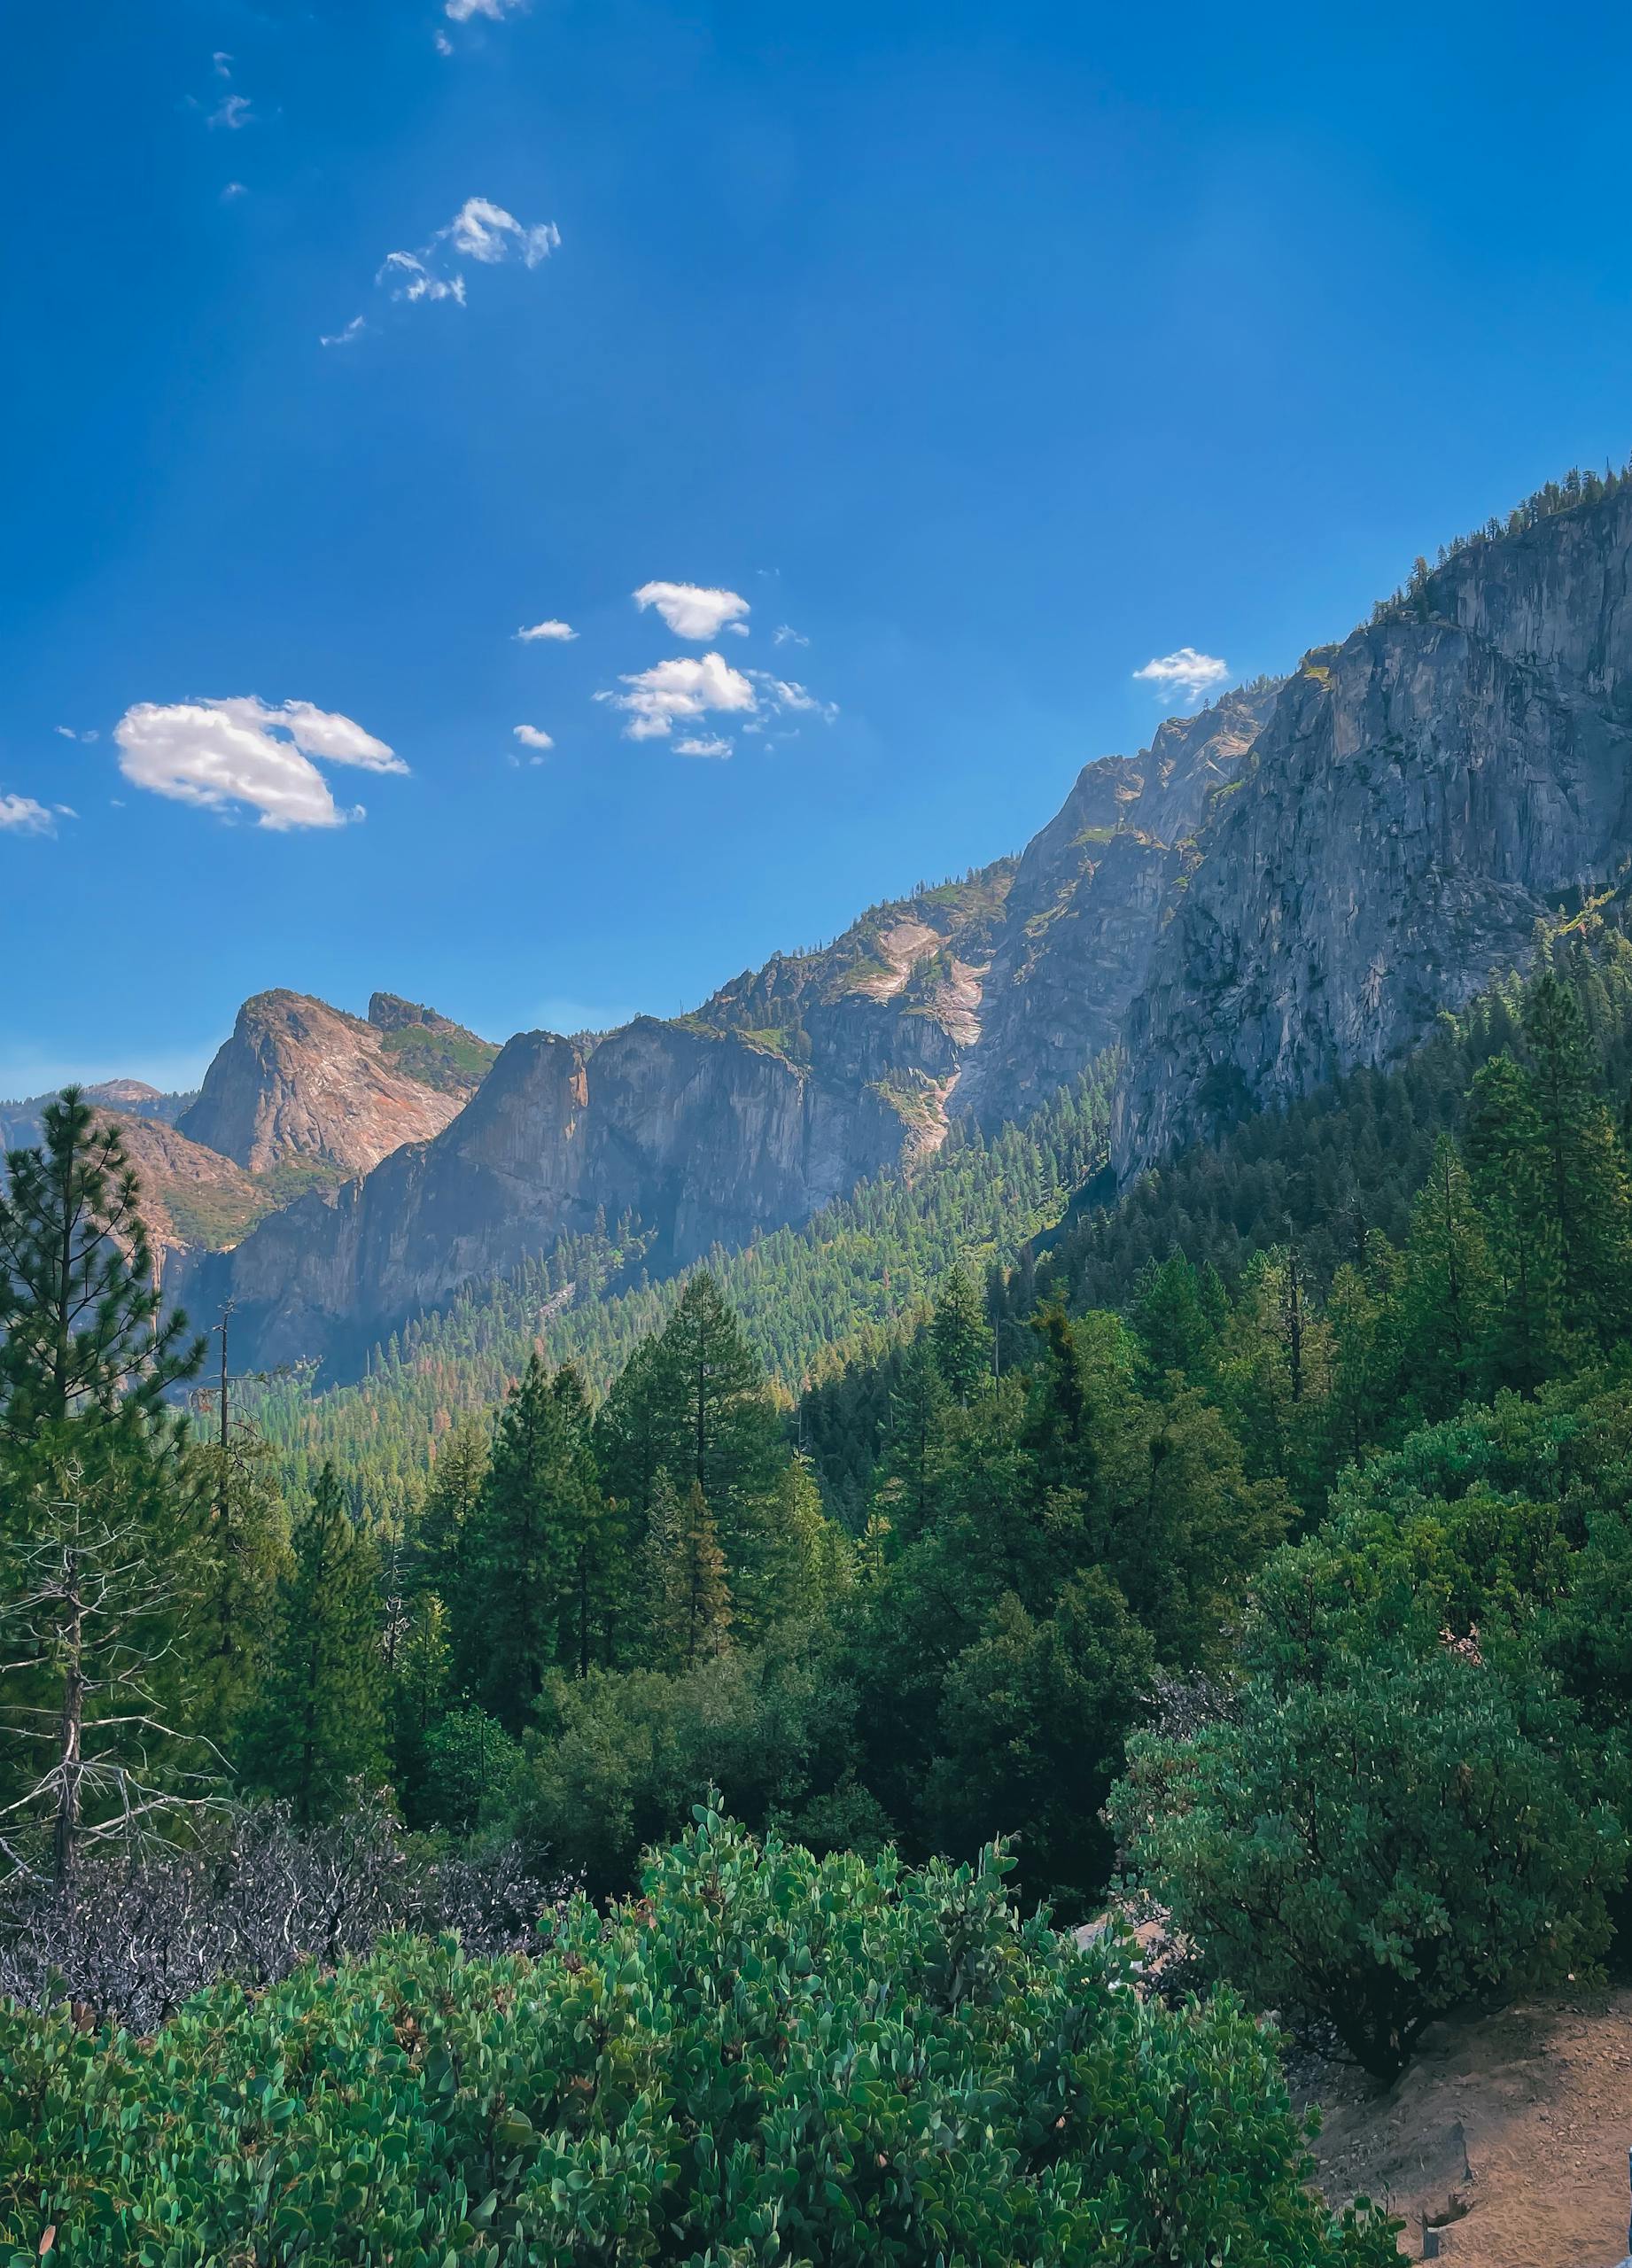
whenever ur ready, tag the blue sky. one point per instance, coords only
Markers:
(993, 352)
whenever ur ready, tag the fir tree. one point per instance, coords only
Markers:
(321, 1722)
(80, 1319)
(1509, 1169)
(687, 1584)
(960, 1335)
(526, 1550)
(1586, 1169)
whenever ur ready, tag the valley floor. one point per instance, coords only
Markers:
(1512, 2131)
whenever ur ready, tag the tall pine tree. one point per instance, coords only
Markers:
(320, 1725)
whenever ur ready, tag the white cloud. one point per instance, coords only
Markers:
(233, 191)
(21, 815)
(461, 12)
(222, 753)
(685, 688)
(68, 733)
(481, 231)
(353, 330)
(444, 45)
(410, 279)
(1185, 671)
(785, 634)
(224, 64)
(485, 231)
(559, 631)
(693, 611)
(779, 694)
(234, 113)
(529, 736)
(675, 691)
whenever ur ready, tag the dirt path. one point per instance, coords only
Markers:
(1511, 2132)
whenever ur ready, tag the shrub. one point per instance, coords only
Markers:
(764, 2058)
(1377, 1843)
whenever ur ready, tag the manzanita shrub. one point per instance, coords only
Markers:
(765, 2058)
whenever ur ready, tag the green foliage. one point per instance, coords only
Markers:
(1404, 1831)
(321, 1722)
(80, 1319)
(765, 2057)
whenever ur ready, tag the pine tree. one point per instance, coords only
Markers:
(694, 1403)
(530, 1576)
(960, 1335)
(450, 1500)
(321, 1722)
(1509, 1169)
(80, 1316)
(1588, 1186)
(233, 1627)
(1447, 1292)
(690, 1597)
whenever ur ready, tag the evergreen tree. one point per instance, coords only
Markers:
(419, 1698)
(321, 1722)
(525, 1550)
(80, 1316)
(690, 1598)
(450, 1500)
(233, 1625)
(960, 1335)
(1587, 1171)
(1447, 1290)
(694, 1403)
(1509, 1169)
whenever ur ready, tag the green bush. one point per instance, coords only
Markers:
(1402, 1830)
(764, 2058)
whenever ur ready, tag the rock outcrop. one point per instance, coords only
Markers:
(192, 1198)
(301, 1083)
(1418, 797)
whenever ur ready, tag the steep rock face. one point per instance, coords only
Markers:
(1087, 903)
(302, 1083)
(190, 1197)
(706, 1134)
(1419, 796)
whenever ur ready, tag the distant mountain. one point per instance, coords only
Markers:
(304, 1085)
(22, 1123)
(1287, 886)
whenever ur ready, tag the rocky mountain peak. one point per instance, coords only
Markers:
(301, 1083)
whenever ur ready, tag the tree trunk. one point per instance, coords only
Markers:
(65, 1836)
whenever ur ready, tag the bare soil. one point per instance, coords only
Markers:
(1509, 2134)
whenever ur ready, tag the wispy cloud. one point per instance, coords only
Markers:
(233, 111)
(354, 330)
(462, 11)
(781, 697)
(68, 733)
(785, 634)
(21, 815)
(529, 736)
(245, 751)
(692, 610)
(233, 191)
(222, 62)
(702, 748)
(1186, 672)
(554, 631)
(480, 231)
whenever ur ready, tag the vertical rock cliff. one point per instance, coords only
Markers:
(1419, 796)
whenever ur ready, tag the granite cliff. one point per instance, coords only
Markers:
(301, 1083)
(1419, 796)
(1293, 883)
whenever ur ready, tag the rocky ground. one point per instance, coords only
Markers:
(1508, 2136)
